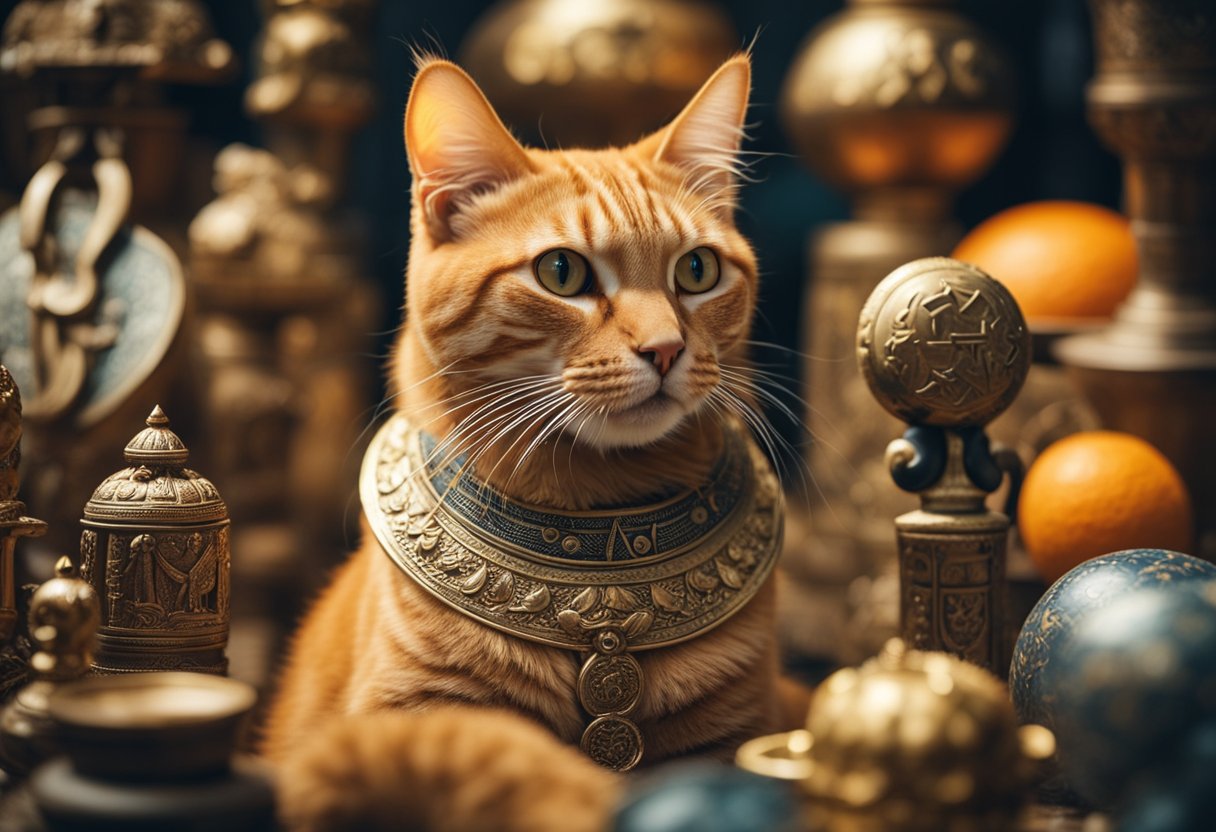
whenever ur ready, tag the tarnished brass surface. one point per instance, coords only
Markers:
(155, 547)
(166, 41)
(1153, 101)
(63, 620)
(945, 347)
(899, 95)
(151, 725)
(13, 522)
(899, 104)
(595, 72)
(908, 741)
(602, 583)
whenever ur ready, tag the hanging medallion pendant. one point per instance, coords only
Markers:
(609, 687)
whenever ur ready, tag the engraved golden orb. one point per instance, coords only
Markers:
(909, 740)
(898, 95)
(941, 343)
(595, 72)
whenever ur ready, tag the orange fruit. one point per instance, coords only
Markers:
(1098, 492)
(1059, 259)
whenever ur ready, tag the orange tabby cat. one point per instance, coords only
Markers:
(571, 315)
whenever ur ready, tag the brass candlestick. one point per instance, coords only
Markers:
(901, 104)
(944, 347)
(595, 72)
(155, 548)
(64, 615)
(1153, 101)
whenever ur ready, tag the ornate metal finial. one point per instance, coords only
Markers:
(155, 548)
(13, 522)
(944, 347)
(63, 620)
(908, 741)
(156, 444)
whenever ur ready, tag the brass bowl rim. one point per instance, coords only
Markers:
(772, 756)
(75, 705)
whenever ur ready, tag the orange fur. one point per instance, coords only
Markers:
(364, 726)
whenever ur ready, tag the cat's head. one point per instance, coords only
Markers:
(592, 292)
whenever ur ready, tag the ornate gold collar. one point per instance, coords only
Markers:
(603, 582)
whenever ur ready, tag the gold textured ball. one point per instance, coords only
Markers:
(891, 95)
(911, 737)
(941, 343)
(595, 72)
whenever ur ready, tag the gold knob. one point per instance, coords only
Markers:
(941, 343)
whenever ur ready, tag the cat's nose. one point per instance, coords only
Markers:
(663, 352)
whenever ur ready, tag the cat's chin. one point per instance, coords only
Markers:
(636, 426)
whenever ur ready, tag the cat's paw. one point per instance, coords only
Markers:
(452, 768)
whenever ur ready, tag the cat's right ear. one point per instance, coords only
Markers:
(456, 144)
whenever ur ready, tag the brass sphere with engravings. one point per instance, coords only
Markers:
(941, 343)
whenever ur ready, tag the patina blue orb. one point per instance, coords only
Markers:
(1088, 587)
(1135, 681)
(707, 797)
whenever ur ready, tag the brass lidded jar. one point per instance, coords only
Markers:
(155, 548)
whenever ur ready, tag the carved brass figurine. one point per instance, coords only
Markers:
(944, 348)
(155, 548)
(13, 522)
(900, 104)
(909, 741)
(64, 616)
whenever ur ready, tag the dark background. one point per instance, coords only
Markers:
(1052, 153)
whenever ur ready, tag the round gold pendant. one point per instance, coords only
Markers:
(614, 742)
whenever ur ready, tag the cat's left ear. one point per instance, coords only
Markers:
(704, 138)
(457, 146)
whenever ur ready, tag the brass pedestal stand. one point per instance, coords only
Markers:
(944, 347)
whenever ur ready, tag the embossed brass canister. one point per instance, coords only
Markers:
(155, 548)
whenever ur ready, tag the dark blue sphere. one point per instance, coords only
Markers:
(1090, 586)
(1180, 797)
(1134, 683)
(707, 797)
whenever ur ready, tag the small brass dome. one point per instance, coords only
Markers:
(156, 486)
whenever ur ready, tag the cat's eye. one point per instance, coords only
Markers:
(697, 271)
(563, 272)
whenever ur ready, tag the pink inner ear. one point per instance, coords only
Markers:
(457, 145)
(705, 137)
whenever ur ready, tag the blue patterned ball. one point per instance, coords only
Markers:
(1134, 682)
(707, 797)
(1088, 587)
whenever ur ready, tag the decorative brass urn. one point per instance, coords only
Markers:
(155, 547)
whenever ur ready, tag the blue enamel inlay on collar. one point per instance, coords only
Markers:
(616, 534)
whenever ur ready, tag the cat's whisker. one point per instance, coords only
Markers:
(469, 431)
(776, 381)
(553, 421)
(533, 415)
